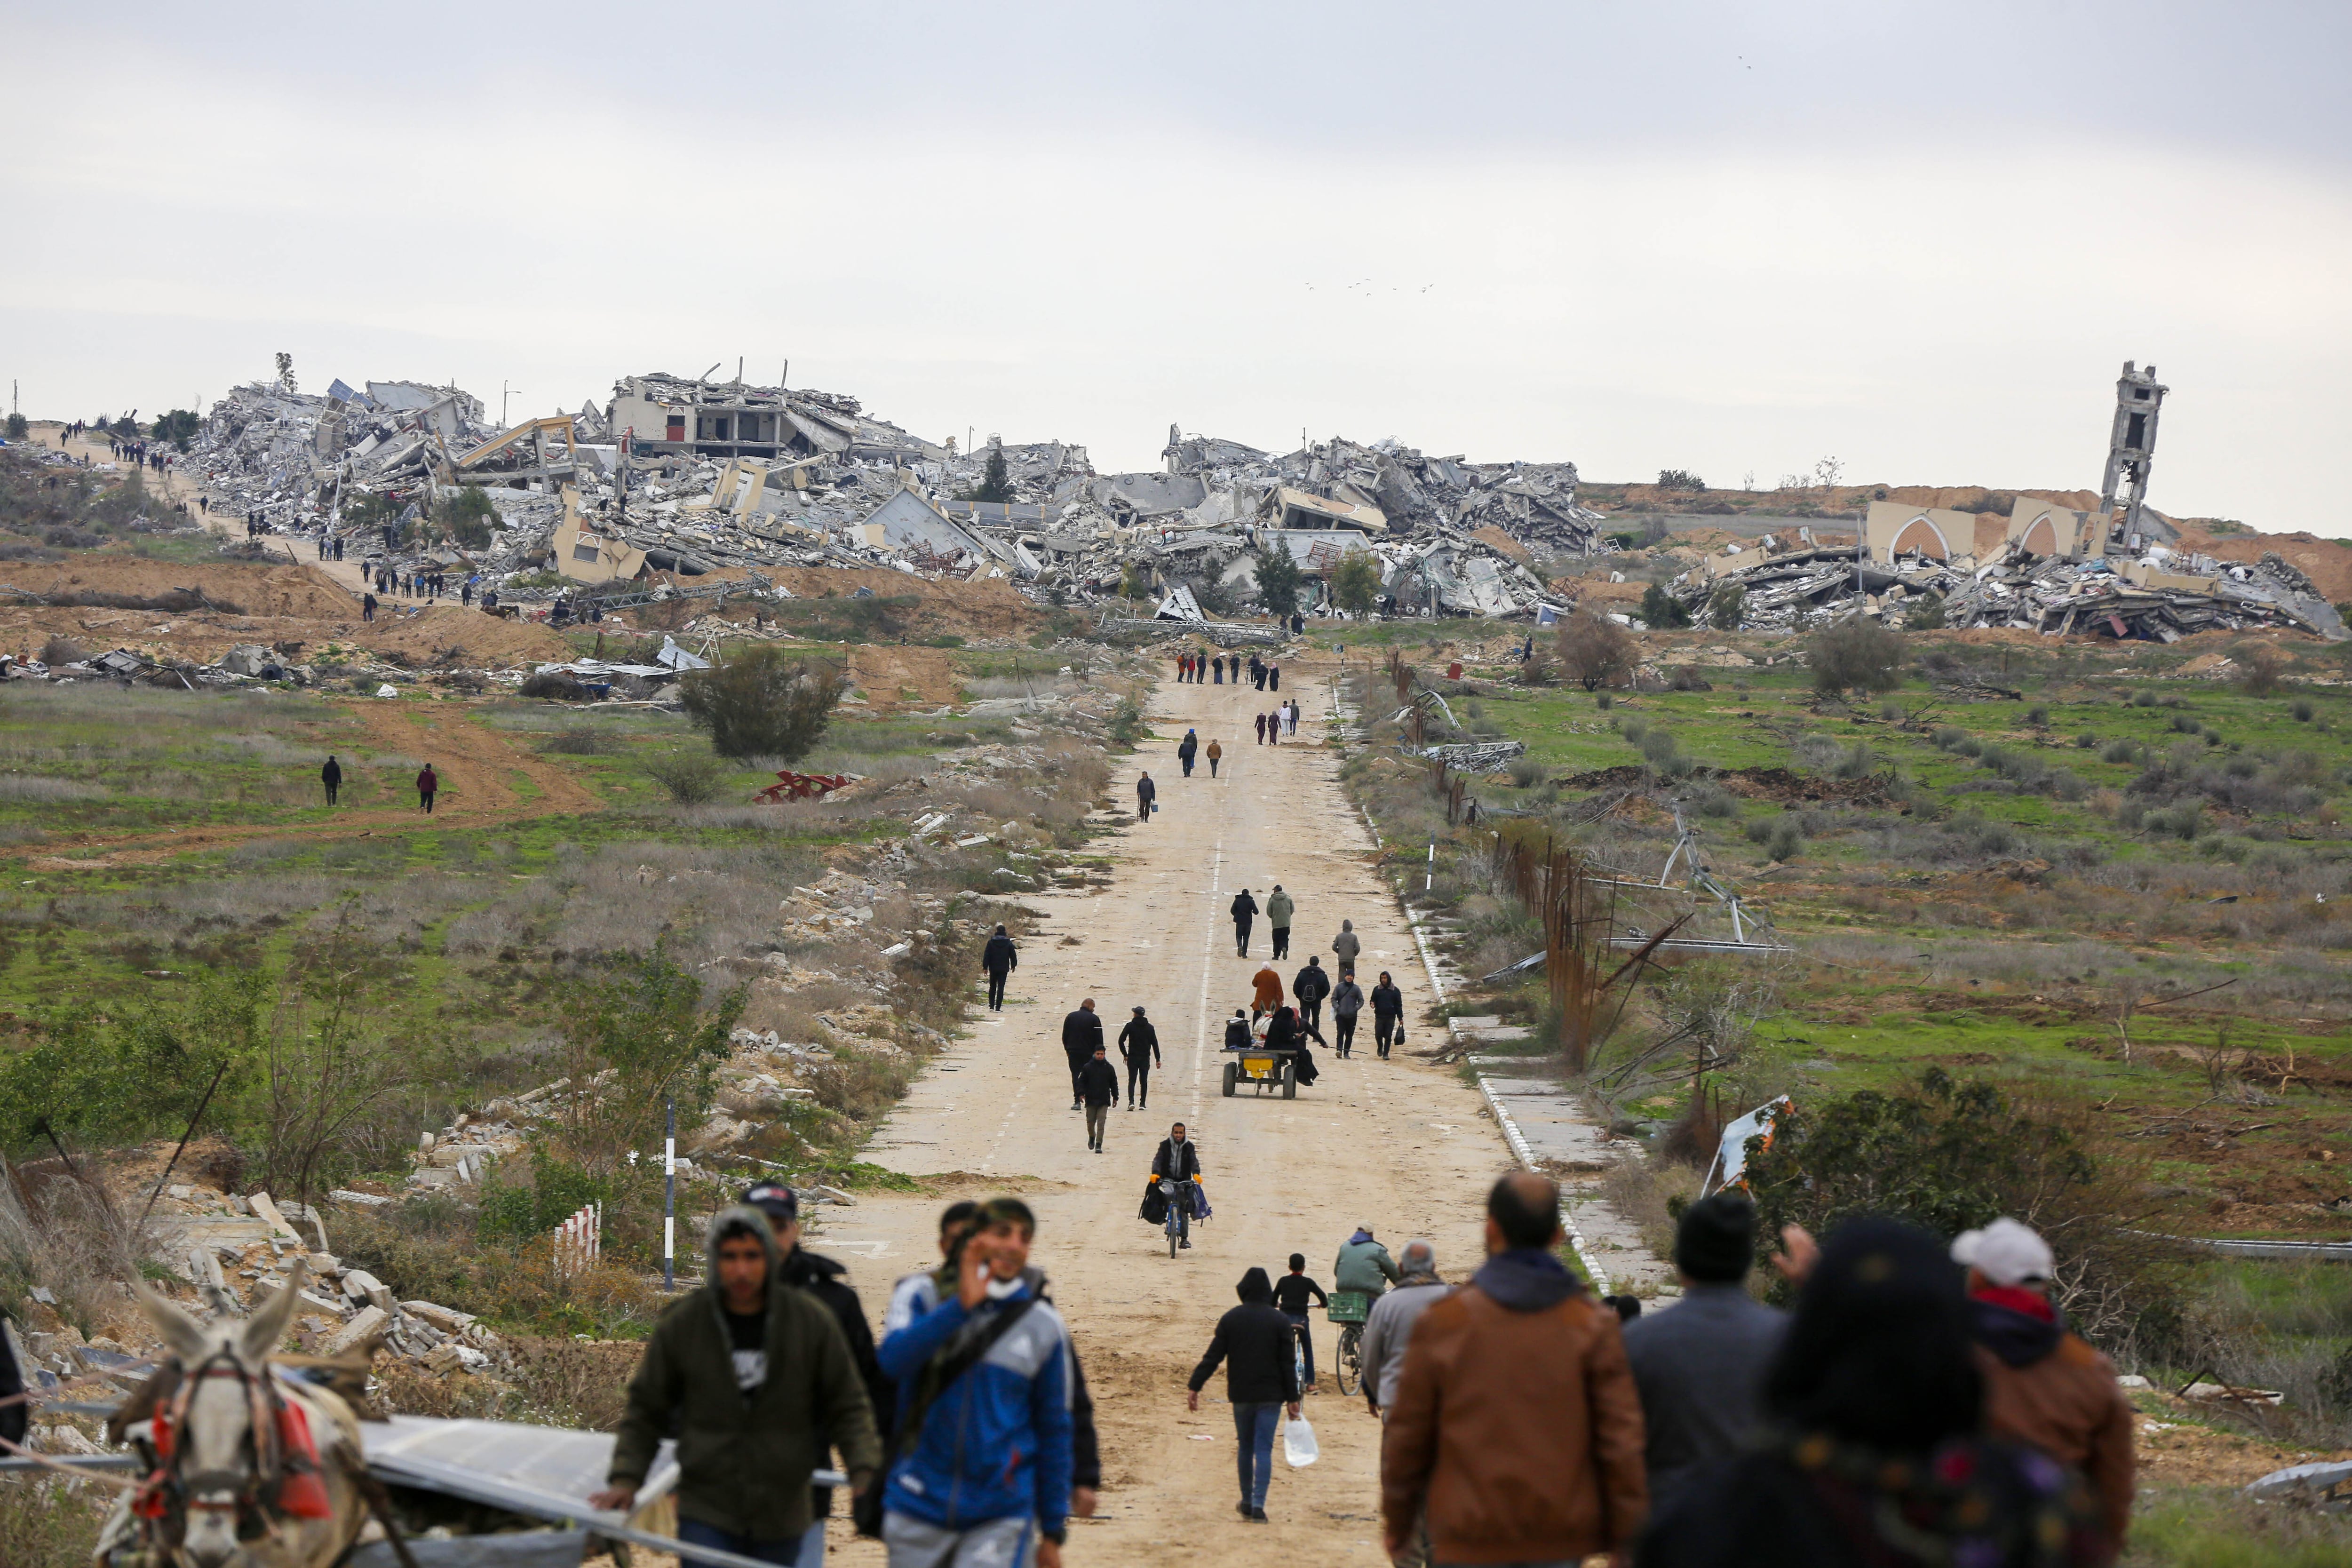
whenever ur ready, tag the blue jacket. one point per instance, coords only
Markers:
(996, 1442)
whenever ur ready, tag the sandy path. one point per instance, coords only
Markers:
(1399, 1144)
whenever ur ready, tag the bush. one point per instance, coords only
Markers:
(1924, 613)
(1595, 651)
(760, 702)
(1856, 654)
(1726, 606)
(548, 685)
(1679, 479)
(1525, 771)
(2301, 711)
(1356, 583)
(1127, 723)
(19, 428)
(2261, 668)
(690, 778)
(1661, 611)
(466, 516)
(2119, 752)
(1712, 800)
(1782, 837)
(2038, 717)
(62, 650)
(1605, 701)
(2086, 741)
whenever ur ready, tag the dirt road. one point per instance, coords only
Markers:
(1401, 1145)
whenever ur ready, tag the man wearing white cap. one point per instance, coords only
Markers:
(2044, 1385)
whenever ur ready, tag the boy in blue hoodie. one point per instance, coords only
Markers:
(983, 1457)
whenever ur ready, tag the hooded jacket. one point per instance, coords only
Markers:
(1177, 1162)
(1516, 1423)
(1190, 744)
(1310, 984)
(1139, 1043)
(1346, 944)
(1347, 998)
(744, 1459)
(1388, 1002)
(995, 1443)
(1363, 1265)
(1098, 1081)
(2046, 1387)
(1000, 954)
(1278, 910)
(1245, 908)
(1254, 1342)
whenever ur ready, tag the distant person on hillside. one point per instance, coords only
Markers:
(428, 783)
(999, 958)
(1145, 793)
(331, 776)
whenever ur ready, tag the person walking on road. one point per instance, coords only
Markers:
(1388, 1013)
(1082, 1037)
(1217, 670)
(1245, 910)
(1146, 792)
(1260, 729)
(1186, 749)
(1254, 1341)
(755, 1380)
(1346, 1001)
(1311, 985)
(1700, 1368)
(998, 959)
(1873, 1447)
(1291, 1294)
(1139, 1043)
(1516, 1430)
(1273, 678)
(1213, 754)
(428, 785)
(1278, 912)
(824, 1283)
(367, 607)
(985, 1452)
(1363, 1264)
(2044, 1385)
(1265, 992)
(1346, 946)
(1274, 729)
(1389, 1328)
(1099, 1087)
(331, 776)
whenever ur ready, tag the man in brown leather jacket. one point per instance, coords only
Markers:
(2044, 1385)
(1517, 1423)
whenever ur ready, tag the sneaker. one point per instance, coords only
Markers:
(1257, 1516)
(1184, 1246)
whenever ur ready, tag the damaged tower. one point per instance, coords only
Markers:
(2130, 447)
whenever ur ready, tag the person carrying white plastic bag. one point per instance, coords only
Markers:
(1257, 1344)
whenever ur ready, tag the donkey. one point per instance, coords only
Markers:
(253, 1468)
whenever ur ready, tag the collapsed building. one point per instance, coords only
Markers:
(687, 477)
(2049, 570)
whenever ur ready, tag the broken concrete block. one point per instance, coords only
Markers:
(448, 1320)
(362, 1286)
(371, 1322)
(266, 1210)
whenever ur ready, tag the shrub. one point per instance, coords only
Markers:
(1633, 727)
(1679, 479)
(2119, 752)
(1856, 654)
(2301, 711)
(1661, 611)
(1948, 737)
(1356, 583)
(19, 427)
(1712, 800)
(1782, 837)
(466, 516)
(2038, 717)
(760, 702)
(62, 650)
(1924, 613)
(1595, 651)
(2086, 741)
(690, 778)
(1605, 701)
(1525, 771)
(1891, 711)
(2261, 668)
(2142, 700)
(1726, 606)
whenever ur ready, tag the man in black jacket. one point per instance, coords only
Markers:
(999, 958)
(331, 776)
(1387, 1012)
(1082, 1037)
(1099, 1087)
(1146, 792)
(1140, 1044)
(1311, 985)
(1244, 911)
(825, 1279)
(1255, 1342)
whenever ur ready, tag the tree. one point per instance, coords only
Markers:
(466, 513)
(1277, 582)
(331, 1060)
(179, 427)
(1356, 583)
(1661, 611)
(1856, 654)
(633, 1040)
(995, 485)
(1594, 649)
(2261, 668)
(1726, 607)
(1679, 479)
(1131, 584)
(286, 370)
(1924, 613)
(758, 701)
(19, 427)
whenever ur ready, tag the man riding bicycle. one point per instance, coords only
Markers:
(1177, 1164)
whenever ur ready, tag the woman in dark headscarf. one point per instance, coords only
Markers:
(1870, 1455)
(1282, 1033)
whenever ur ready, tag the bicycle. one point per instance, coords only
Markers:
(1350, 1308)
(1179, 1223)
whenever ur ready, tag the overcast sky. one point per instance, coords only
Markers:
(1729, 238)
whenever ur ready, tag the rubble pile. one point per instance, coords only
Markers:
(2162, 595)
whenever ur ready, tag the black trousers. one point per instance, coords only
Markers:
(1344, 1026)
(1240, 938)
(1138, 1083)
(996, 989)
(425, 797)
(1282, 941)
(1077, 1065)
(330, 792)
(1384, 1029)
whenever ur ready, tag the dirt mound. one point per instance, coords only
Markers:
(2326, 561)
(893, 678)
(128, 582)
(484, 642)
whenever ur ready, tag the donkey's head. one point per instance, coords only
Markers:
(223, 1446)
